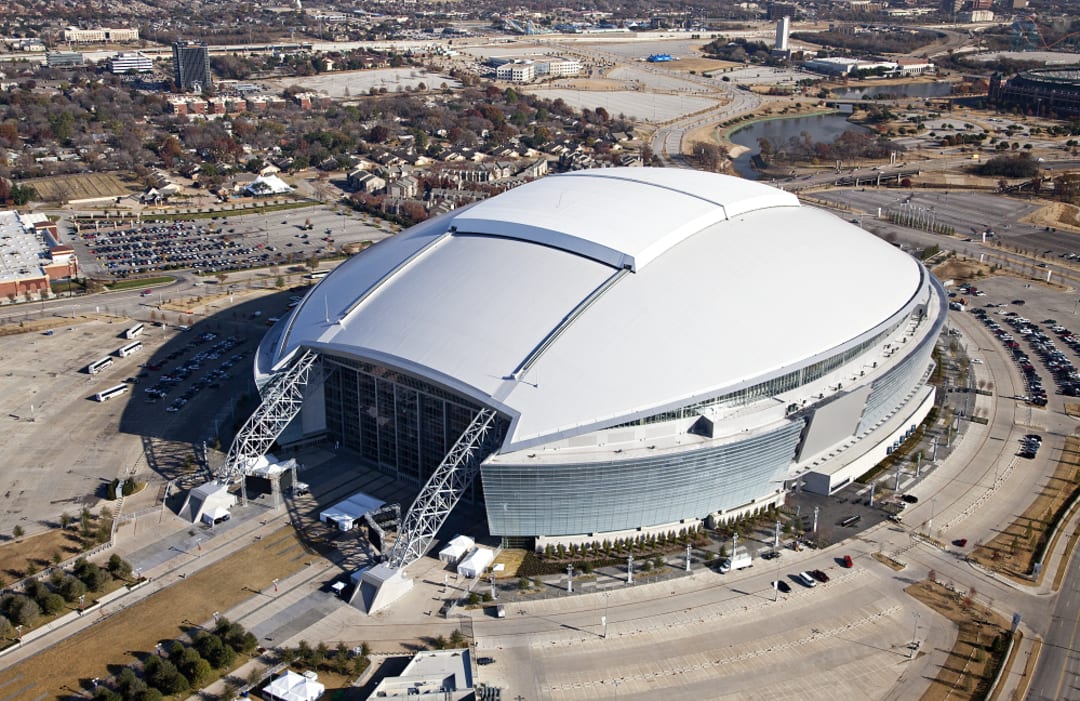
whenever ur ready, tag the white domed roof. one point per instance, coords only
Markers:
(592, 298)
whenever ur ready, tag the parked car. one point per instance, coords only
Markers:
(484, 660)
(960, 542)
(806, 580)
(819, 575)
(847, 561)
(782, 586)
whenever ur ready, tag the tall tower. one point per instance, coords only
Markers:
(191, 66)
(783, 29)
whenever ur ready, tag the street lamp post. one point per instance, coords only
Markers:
(603, 619)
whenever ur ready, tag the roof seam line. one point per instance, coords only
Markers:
(567, 320)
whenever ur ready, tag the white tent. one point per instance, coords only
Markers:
(270, 468)
(268, 185)
(294, 687)
(346, 513)
(214, 515)
(205, 498)
(456, 548)
(476, 562)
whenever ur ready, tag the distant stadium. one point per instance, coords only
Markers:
(657, 346)
(1047, 92)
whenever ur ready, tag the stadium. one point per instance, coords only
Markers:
(651, 347)
(1045, 92)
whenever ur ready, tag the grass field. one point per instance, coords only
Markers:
(141, 282)
(130, 633)
(82, 186)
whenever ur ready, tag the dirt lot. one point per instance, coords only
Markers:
(967, 671)
(1012, 550)
(1057, 214)
(961, 269)
(699, 65)
(127, 634)
(84, 186)
(44, 549)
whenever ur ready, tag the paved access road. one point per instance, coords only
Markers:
(1057, 675)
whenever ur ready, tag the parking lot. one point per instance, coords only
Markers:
(130, 247)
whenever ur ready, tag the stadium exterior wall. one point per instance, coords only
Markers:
(612, 495)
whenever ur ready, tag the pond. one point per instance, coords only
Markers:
(821, 127)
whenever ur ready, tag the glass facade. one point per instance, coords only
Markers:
(772, 387)
(592, 497)
(889, 390)
(399, 424)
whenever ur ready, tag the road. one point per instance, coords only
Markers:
(1057, 675)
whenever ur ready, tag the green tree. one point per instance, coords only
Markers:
(71, 588)
(119, 567)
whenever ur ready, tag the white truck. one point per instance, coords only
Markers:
(739, 560)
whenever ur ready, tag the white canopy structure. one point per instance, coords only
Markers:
(456, 548)
(207, 498)
(475, 564)
(345, 514)
(268, 185)
(215, 515)
(295, 687)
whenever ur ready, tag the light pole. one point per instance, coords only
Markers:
(275, 585)
(630, 569)
(570, 578)
(603, 619)
(914, 635)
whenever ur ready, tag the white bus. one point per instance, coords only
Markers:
(99, 365)
(130, 348)
(133, 331)
(108, 394)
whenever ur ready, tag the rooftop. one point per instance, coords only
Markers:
(21, 248)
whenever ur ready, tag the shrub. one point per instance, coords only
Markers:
(21, 610)
(164, 676)
(119, 567)
(214, 650)
(94, 577)
(51, 604)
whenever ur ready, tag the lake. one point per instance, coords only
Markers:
(821, 127)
